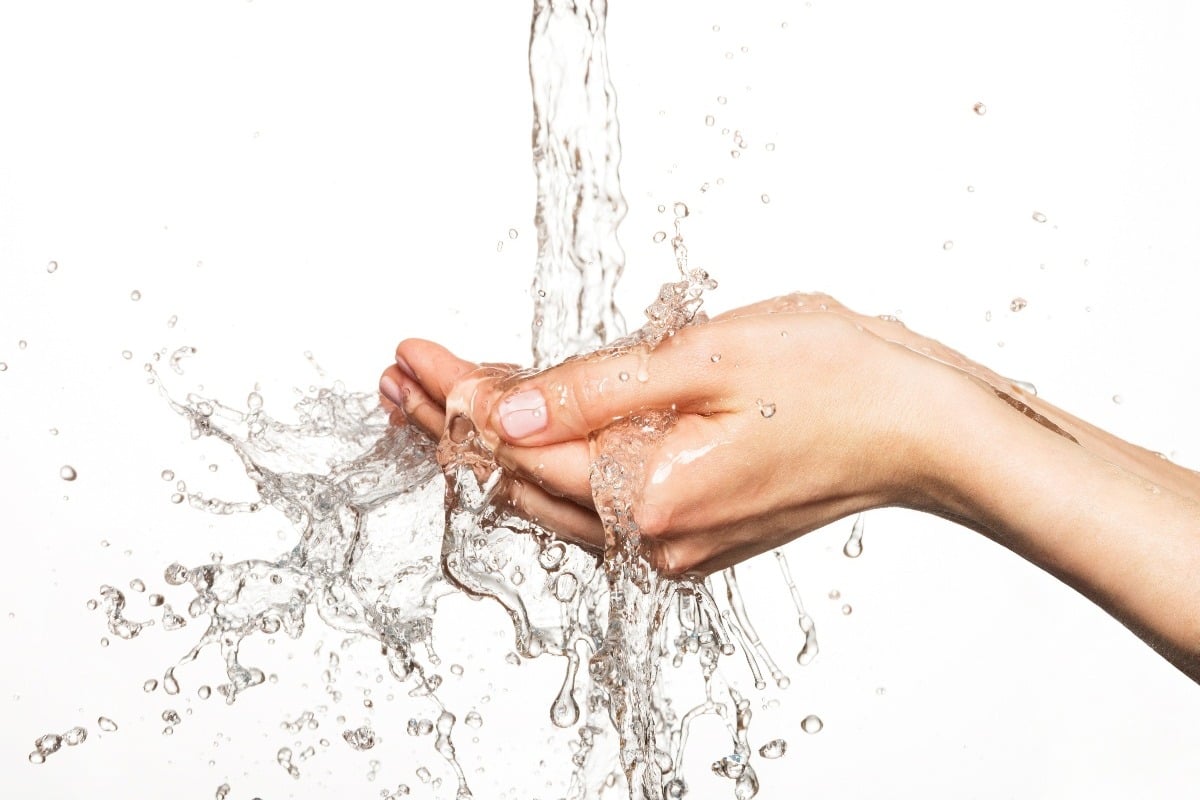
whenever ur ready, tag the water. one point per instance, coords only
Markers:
(385, 523)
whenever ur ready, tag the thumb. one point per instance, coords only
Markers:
(586, 394)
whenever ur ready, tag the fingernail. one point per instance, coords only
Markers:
(390, 389)
(406, 369)
(523, 414)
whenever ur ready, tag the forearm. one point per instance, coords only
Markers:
(1121, 528)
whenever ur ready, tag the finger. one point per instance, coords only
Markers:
(577, 397)
(565, 518)
(559, 469)
(434, 367)
(411, 397)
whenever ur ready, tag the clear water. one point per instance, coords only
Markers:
(385, 523)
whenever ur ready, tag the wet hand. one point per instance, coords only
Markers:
(427, 376)
(792, 413)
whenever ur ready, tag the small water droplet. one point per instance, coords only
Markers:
(1039, 216)
(68, 473)
(970, 188)
(473, 719)
(149, 685)
(812, 724)
(512, 233)
(52, 267)
(721, 99)
(766, 198)
(681, 210)
(514, 659)
(773, 749)
(137, 585)
(660, 236)
(106, 724)
(177, 498)
(624, 376)
(168, 475)
(847, 609)
(766, 409)
(125, 354)
(3, 367)
(715, 357)
(947, 245)
(710, 120)
(22, 344)
(135, 295)
(1116, 398)
(661, 208)
(980, 109)
(1017, 304)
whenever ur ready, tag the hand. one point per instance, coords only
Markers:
(792, 413)
(421, 382)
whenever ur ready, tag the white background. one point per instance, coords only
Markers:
(332, 177)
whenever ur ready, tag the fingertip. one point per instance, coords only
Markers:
(390, 388)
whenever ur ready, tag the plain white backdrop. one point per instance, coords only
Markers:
(331, 178)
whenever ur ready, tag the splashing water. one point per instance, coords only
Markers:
(387, 523)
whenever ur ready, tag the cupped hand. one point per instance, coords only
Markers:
(426, 377)
(791, 413)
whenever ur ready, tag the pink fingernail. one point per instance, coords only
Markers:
(406, 369)
(523, 414)
(390, 389)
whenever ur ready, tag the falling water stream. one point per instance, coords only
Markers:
(386, 522)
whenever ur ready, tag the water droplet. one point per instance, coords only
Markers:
(135, 295)
(715, 357)
(970, 188)
(710, 120)
(766, 409)
(172, 320)
(624, 376)
(473, 719)
(137, 585)
(735, 153)
(854, 546)
(3, 367)
(661, 208)
(68, 473)
(177, 498)
(721, 99)
(1039, 216)
(512, 233)
(834, 594)
(514, 659)
(847, 609)
(52, 267)
(660, 236)
(1017, 304)
(106, 724)
(168, 475)
(565, 587)
(681, 210)
(125, 354)
(362, 738)
(773, 749)
(812, 724)
(1116, 398)
(456, 669)
(980, 109)
(987, 316)
(766, 198)
(22, 344)
(947, 245)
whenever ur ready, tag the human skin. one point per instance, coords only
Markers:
(795, 412)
